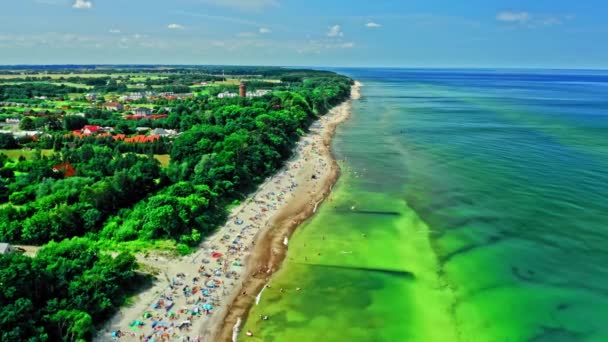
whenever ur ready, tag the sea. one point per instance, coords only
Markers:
(472, 206)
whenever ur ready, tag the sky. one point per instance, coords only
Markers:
(333, 33)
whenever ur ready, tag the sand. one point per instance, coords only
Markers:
(232, 266)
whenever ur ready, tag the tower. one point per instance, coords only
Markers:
(243, 89)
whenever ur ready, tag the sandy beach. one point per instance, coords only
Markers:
(200, 297)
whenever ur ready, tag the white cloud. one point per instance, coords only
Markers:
(114, 31)
(532, 21)
(243, 4)
(372, 24)
(264, 30)
(175, 27)
(335, 31)
(83, 4)
(347, 45)
(514, 17)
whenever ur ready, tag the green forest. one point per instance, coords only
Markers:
(93, 197)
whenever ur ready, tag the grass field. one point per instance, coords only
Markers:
(57, 76)
(67, 84)
(138, 78)
(164, 159)
(145, 77)
(70, 84)
(15, 154)
(228, 82)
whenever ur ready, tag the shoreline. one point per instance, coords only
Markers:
(239, 257)
(271, 252)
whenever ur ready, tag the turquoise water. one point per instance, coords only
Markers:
(473, 207)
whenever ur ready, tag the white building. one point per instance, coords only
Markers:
(22, 134)
(142, 111)
(226, 94)
(164, 132)
(5, 248)
(258, 93)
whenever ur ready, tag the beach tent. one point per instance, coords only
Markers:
(183, 323)
(158, 324)
(136, 323)
(216, 255)
(168, 305)
(208, 307)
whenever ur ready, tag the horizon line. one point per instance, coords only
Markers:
(313, 66)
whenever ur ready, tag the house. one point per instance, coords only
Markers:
(43, 112)
(24, 134)
(141, 139)
(115, 106)
(262, 92)
(142, 111)
(142, 129)
(28, 112)
(136, 96)
(76, 114)
(161, 132)
(226, 95)
(13, 121)
(258, 93)
(66, 168)
(90, 129)
(91, 97)
(5, 248)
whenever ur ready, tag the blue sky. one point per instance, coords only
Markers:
(404, 33)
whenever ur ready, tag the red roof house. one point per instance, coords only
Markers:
(90, 129)
(66, 169)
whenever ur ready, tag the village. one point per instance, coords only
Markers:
(139, 106)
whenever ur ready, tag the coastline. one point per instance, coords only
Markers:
(250, 244)
(270, 253)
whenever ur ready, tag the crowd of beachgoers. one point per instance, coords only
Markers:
(192, 294)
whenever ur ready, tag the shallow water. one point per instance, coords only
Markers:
(473, 206)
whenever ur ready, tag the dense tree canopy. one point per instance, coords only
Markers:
(99, 188)
(61, 293)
